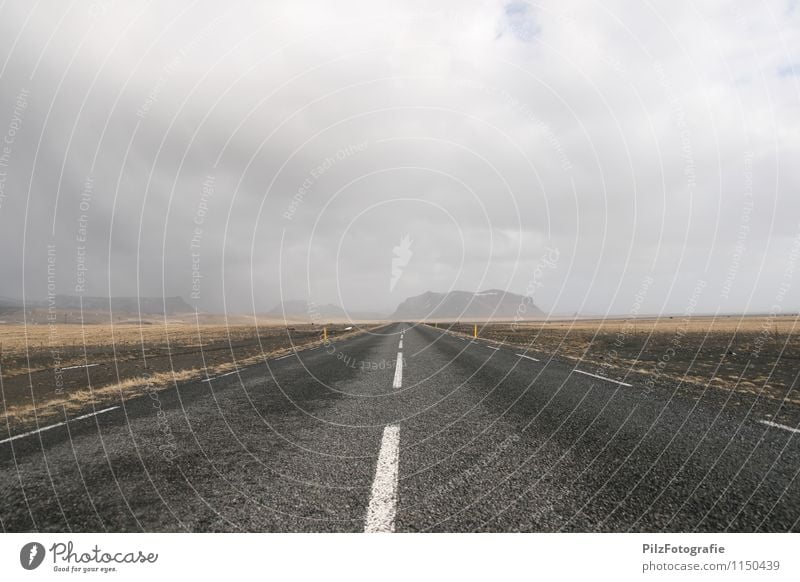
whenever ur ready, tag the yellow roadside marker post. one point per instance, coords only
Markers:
(475, 331)
(325, 334)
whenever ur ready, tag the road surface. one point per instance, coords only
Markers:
(461, 436)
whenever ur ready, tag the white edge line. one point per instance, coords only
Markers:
(383, 500)
(220, 376)
(528, 357)
(81, 366)
(492, 348)
(604, 378)
(781, 426)
(38, 430)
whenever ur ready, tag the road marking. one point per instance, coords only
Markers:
(29, 433)
(527, 357)
(781, 426)
(81, 366)
(400, 347)
(398, 372)
(220, 376)
(383, 501)
(604, 378)
(492, 348)
(283, 357)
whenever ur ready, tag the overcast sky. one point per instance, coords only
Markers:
(572, 149)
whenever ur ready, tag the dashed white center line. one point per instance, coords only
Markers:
(527, 357)
(781, 426)
(24, 434)
(398, 372)
(400, 347)
(383, 501)
(604, 378)
(220, 376)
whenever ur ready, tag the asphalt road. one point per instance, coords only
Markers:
(470, 436)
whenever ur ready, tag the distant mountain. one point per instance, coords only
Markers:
(494, 303)
(300, 309)
(9, 306)
(148, 305)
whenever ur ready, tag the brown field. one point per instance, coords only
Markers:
(756, 355)
(43, 373)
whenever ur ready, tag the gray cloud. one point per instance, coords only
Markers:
(638, 143)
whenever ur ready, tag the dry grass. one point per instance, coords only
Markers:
(20, 339)
(28, 349)
(785, 324)
(754, 355)
(77, 401)
(175, 353)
